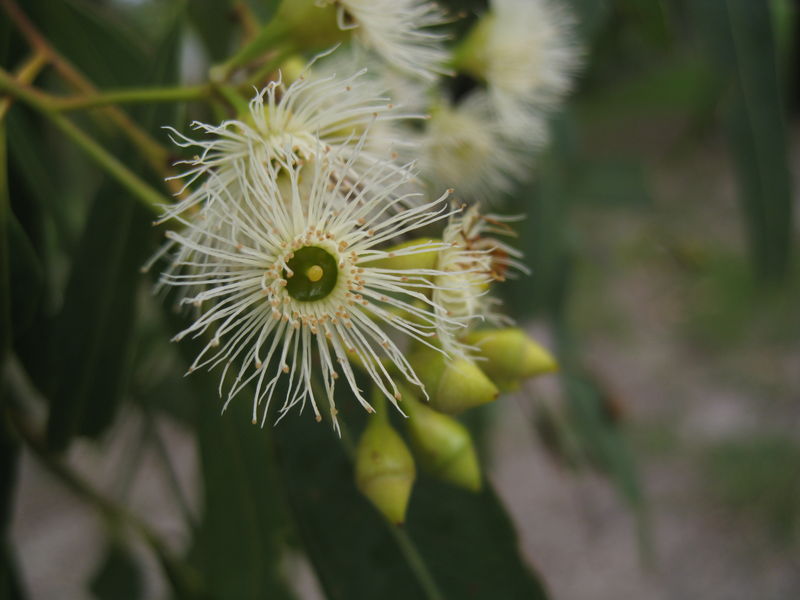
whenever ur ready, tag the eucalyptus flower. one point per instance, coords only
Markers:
(525, 51)
(401, 32)
(289, 285)
(472, 260)
(463, 146)
(292, 122)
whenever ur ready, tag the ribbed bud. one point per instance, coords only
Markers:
(453, 384)
(443, 445)
(426, 259)
(510, 355)
(308, 24)
(385, 470)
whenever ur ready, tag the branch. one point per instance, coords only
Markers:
(157, 156)
(154, 200)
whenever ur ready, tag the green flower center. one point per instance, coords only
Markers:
(314, 274)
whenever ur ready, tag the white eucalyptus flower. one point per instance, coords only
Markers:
(289, 287)
(399, 32)
(287, 123)
(463, 147)
(473, 259)
(525, 51)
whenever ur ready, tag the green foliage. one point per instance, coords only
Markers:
(740, 39)
(434, 556)
(759, 477)
(75, 321)
(118, 576)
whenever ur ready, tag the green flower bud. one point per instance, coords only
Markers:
(453, 384)
(470, 56)
(307, 24)
(418, 260)
(385, 470)
(510, 355)
(443, 445)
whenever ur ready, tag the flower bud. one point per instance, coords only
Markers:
(423, 259)
(510, 355)
(471, 55)
(307, 24)
(454, 384)
(443, 445)
(385, 469)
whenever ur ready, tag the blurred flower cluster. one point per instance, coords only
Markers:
(336, 229)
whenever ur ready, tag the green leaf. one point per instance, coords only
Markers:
(106, 49)
(118, 577)
(455, 544)
(740, 35)
(238, 544)
(5, 264)
(240, 535)
(10, 586)
(95, 324)
(214, 23)
(26, 278)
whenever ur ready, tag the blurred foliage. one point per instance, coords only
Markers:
(81, 324)
(759, 477)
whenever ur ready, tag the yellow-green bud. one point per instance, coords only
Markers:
(308, 24)
(426, 259)
(292, 68)
(453, 384)
(443, 445)
(385, 470)
(510, 355)
(470, 55)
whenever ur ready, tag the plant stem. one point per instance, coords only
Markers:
(269, 36)
(154, 200)
(156, 155)
(25, 75)
(131, 96)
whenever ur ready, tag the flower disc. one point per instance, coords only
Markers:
(313, 274)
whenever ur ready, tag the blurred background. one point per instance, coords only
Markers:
(663, 462)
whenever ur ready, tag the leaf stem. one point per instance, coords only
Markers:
(131, 96)
(157, 156)
(151, 198)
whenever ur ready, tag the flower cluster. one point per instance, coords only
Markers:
(333, 230)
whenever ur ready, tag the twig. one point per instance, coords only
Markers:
(157, 156)
(25, 75)
(154, 200)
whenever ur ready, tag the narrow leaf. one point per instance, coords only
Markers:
(95, 323)
(455, 544)
(740, 35)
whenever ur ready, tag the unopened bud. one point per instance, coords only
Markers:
(308, 24)
(510, 355)
(454, 384)
(471, 54)
(405, 257)
(292, 68)
(385, 469)
(443, 445)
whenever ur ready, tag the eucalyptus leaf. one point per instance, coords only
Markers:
(92, 347)
(739, 34)
(455, 544)
(118, 577)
